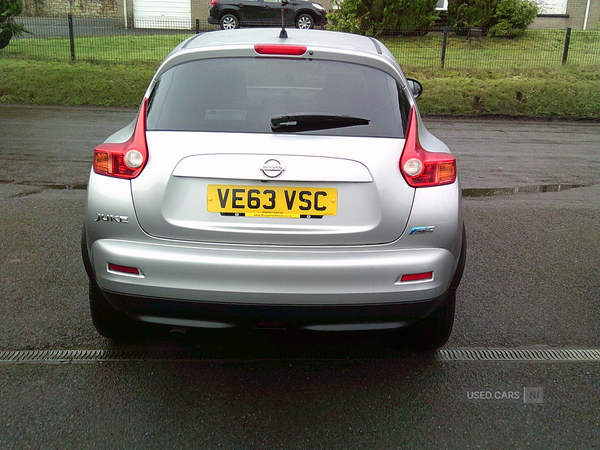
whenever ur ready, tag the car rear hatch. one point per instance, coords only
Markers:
(274, 151)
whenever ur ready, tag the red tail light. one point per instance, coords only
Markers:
(280, 49)
(212, 2)
(420, 167)
(127, 159)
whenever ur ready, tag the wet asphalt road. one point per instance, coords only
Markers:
(531, 282)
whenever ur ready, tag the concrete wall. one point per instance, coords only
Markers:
(549, 22)
(574, 18)
(200, 11)
(125, 13)
(79, 8)
(576, 10)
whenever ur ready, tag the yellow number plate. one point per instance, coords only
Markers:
(280, 201)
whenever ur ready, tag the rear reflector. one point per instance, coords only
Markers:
(280, 49)
(123, 269)
(417, 276)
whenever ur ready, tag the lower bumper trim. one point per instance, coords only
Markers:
(311, 317)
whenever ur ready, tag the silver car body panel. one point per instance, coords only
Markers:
(368, 211)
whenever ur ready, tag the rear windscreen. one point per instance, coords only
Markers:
(243, 94)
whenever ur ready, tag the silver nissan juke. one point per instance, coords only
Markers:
(273, 181)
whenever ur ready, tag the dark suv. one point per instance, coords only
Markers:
(230, 14)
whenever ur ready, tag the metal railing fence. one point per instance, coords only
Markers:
(536, 49)
(104, 40)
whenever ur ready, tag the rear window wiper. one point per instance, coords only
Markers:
(293, 123)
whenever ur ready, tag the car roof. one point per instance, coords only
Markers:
(320, 45)
(319, 38)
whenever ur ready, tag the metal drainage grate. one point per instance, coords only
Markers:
(526, 355)
(87, 356)
(458, 355)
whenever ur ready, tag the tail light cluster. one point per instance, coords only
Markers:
(126, 159)
(212, 2)
(421, 168)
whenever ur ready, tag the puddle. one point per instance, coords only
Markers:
(44, 185)
(496, 192)
(37, 187)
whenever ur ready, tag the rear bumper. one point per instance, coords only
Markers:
(272, 275)
(233, 285)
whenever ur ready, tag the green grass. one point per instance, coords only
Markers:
(80, 84)
(96, 49)
(536, 49)
(125, 48)
(489, 76)
(569, 92)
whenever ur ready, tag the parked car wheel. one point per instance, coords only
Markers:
(305, 22)
(229, 22)
(434, 331)
(110, 322)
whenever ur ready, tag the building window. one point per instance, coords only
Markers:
(552, 6)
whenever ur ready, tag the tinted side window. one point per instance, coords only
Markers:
(242, 94)
(404, 108)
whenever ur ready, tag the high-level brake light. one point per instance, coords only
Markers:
(126, 159)
(280, 49)
(420, 167)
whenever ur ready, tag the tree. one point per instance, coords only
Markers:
(471, 13)
(9, 9)
(376, 16)
(512, 17)
(499, 17)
